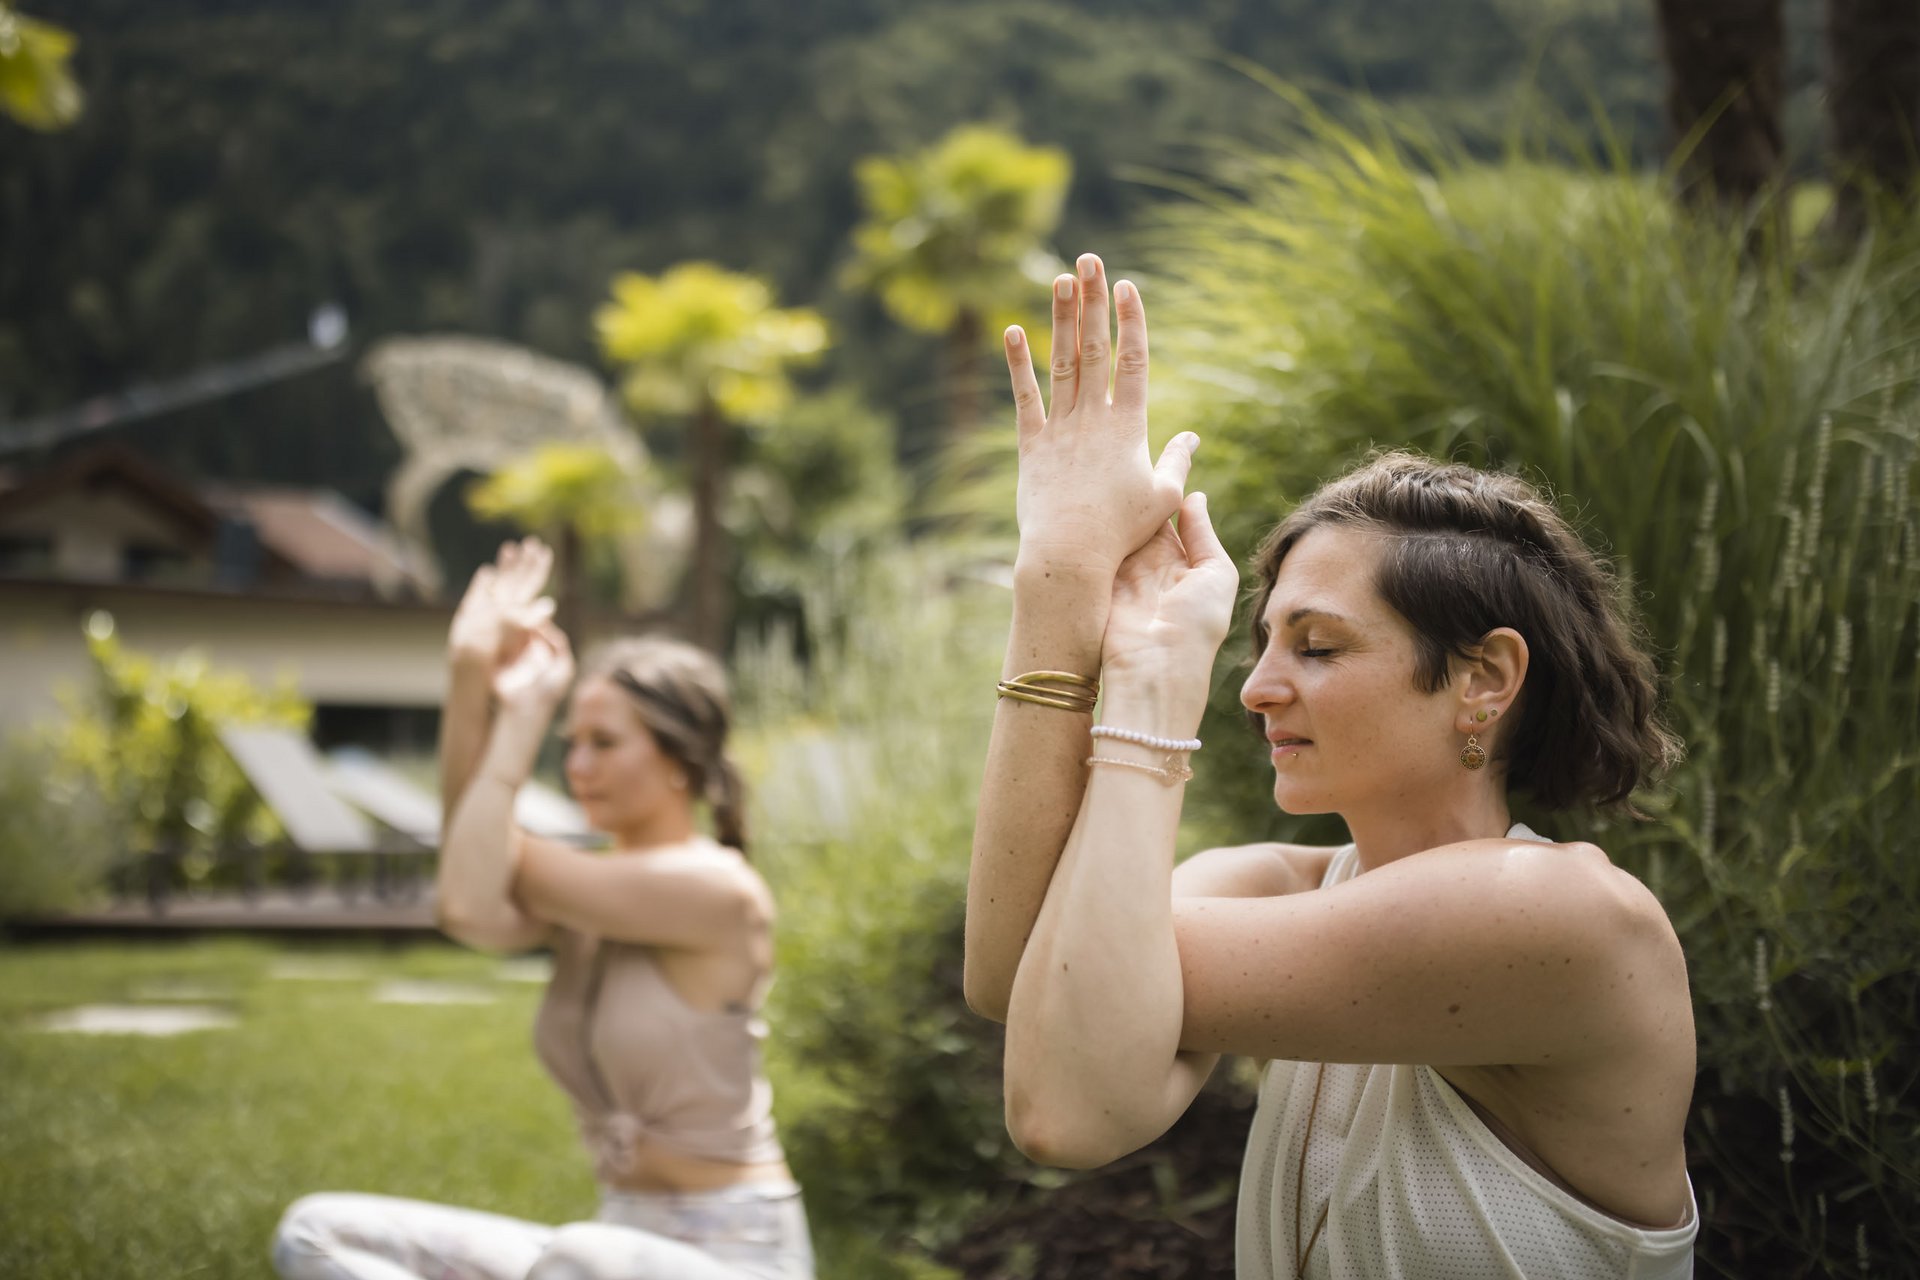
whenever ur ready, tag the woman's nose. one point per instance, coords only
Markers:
(1264, 687)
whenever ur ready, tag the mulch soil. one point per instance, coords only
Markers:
(1166, 1211)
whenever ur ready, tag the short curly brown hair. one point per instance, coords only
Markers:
(1468, 551)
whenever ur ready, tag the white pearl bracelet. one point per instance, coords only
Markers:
(1145, 739)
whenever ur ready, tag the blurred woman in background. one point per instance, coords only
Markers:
(662, 951)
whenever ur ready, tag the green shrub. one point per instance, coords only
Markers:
(1742, 431)
(55, 842)
(142, 745)
(866, 760)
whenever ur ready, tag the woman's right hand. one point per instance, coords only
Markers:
(502, 606)
(536, 680)
(1089, 494)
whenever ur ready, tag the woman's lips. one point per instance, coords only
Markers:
(1289, 746)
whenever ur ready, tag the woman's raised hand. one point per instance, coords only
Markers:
(536, 679)
(503, 605)
(1089, 493)
(1172, 606)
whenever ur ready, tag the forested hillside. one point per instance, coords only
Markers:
(447, 165)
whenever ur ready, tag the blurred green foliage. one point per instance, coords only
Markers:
(142, 742)
(820, 485)
(698, 335)
(706, 349)
(1742, 434)
(36, 83)
(956, 242)
(866, 764)
(56, 842)
(486, 169)
(557, 486)
(956, 234)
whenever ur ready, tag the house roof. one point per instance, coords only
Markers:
(325, 536)
(304, 534)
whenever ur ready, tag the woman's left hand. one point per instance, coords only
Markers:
(1172, 605)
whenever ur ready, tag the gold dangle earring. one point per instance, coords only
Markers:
(1473, 756)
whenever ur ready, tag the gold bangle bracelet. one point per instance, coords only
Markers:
(1065, 695)
(1062, 704)
(1060, 677)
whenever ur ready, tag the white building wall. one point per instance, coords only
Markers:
(335, 653)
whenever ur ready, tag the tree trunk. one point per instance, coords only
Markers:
(1873, 104)
(1725, 75)
(963, 375)
(569, 603)
(707, 574)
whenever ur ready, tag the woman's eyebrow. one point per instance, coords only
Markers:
(1311, 612)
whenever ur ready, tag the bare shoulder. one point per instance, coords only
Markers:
(1576, 888)
(727, 870)
(1264, 870)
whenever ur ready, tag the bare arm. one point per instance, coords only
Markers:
(1251, 871)
(465, 720)
(1073, 535)
(1035, 775)
(696, 898)
(1094, 1063)
(480, 850)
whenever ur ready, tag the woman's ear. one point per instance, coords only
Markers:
(1490, 681)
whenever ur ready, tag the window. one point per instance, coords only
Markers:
(26, 554)
(146, 562)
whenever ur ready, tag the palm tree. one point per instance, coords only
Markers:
(708, 346)
(1726, 63)
(954, 238)
(572, 495)
(36, 86)
(1873, 103)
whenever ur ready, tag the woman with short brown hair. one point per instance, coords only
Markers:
(1479, 1042)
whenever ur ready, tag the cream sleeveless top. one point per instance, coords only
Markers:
(1416, 1186)
(640, 1063)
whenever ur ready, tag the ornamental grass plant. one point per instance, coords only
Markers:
(864, 739)
(1735, 414)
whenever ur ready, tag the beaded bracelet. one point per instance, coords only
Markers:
(1145, 739)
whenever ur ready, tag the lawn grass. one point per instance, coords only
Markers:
(135, 1156)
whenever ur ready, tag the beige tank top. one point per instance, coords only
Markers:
(640, 1063)
(1415, 1184)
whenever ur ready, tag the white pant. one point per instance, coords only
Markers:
(754, 1231)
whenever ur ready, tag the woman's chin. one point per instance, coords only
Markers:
(1297, 800)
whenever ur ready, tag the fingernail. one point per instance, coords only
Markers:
(1088, 264)
(1193, 440)
(1063, 288)
(1014, 336)
(1123, 292)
